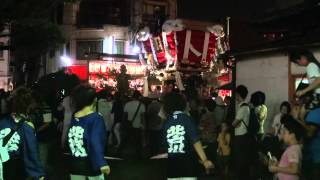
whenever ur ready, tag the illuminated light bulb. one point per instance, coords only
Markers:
(66, 61)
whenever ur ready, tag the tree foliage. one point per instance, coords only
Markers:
(34, 38)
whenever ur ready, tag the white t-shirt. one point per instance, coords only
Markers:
(131, 108)
(313, 72)
(104, 108)
(243, 113)
(277, 126)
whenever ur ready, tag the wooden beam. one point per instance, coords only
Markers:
(120, 56)
(5, 48)
(4, 35)
(124, 56)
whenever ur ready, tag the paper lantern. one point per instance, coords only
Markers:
(217, 30)
(143, 34)
(172, 25)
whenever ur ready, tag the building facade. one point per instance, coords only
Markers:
(106, 27)
(5, 73)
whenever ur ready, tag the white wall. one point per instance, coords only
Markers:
(269, 74)
(117, 32)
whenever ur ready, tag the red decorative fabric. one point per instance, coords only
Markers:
(181, 38)
(147, 46)
(80, 71)
(197, 41)
(175, 48)
(224, 77)
(171, 44)
(158, 47)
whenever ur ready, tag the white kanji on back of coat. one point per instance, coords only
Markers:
(175, 139)
(75, 138)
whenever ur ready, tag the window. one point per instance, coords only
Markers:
(119, 46)
(154, 14)
(95, 13)
(85, 46)
(153, 9)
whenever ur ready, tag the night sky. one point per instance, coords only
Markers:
(215, 10)
(244, 32)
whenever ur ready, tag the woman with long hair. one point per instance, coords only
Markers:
(87, 136)
(311, 93)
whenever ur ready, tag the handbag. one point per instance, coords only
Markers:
(128, 124)
(306, 98)
(135, 114)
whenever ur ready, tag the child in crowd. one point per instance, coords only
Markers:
(290, 164)
(224, 149)
(209, 130)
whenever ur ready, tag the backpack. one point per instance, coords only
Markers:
(254, 125)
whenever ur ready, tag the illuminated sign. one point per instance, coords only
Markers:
(100, 74)
(224, 93)
(105, 67)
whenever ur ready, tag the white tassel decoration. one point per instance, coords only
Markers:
(146, 87)
(179, 81)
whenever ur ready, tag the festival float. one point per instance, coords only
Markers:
(185, 48)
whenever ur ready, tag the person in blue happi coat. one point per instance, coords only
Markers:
(87, 137)
(182, 141)
(19, 153)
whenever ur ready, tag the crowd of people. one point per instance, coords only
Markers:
(199, 135)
